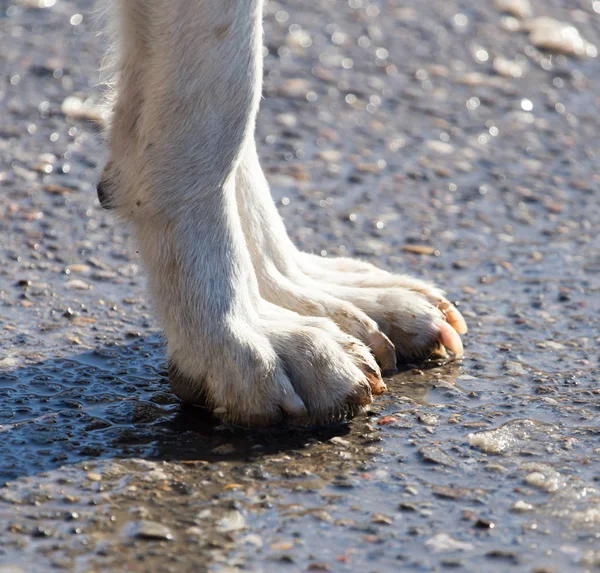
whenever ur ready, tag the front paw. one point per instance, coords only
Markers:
(301, 371)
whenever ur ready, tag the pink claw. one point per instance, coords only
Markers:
(451, 340)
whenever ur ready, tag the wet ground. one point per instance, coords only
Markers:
(431, 137)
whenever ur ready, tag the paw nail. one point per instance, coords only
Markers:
(451, 340)
(376, 384)
(294, 406)
(383, 349)
(456, 320)
(361, 396)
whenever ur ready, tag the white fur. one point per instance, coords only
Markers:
(223, 274)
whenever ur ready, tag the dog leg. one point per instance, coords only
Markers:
(185, 112)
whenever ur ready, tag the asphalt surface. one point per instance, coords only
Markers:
(447, 139)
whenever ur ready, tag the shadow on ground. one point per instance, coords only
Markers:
(115, 403)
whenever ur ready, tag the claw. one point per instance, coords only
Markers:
(361, 395)
(453, 316)
(451, 340)
(456, 320)
(293, 405)
(376, 384)
(383, 349)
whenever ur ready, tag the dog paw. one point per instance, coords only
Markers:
(300, 370)
(415, 315)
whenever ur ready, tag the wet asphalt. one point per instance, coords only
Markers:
(440, 138)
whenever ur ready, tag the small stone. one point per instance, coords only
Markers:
(78, 109)
(559, 37)
(54, 189)
(381, 519)
(447, 492)
(508, 68)
(521, 506)
(77, 284)
(232, 521)
(294, 88)
(93, 476)
(406, 506)
(104, 275)
(434, 455)
(287, 120)
(484, 524)
(79, 268)
(151, 531)
(339, 441)
(344, 483)
(252, 539)
(444, 543)
(548, 481)
(428, 419)
(224, 450)
(514, 368)
(440, 147)
(516, 8)
(316, 567)
(330, 155)
(8, 362)
(43, 168)
(420, 249)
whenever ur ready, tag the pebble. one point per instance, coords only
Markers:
(252, 539)
(150, 530)
(549, 480)
(559, 37)
(232, 521)
(339, 441)
(521, 506)
(448, 492)
(294, 88)
(330, 155)
(440, 147)
(420, 249)
(381, 519)
(104, 275)
(516, 8)
(224, 450)
(77, 284)
(509, 68)
(514, 368)
(428, 419)
(78, 109)
(287, 120)
(444, 543)
(8, 362)
(590, 558)
(434, 455)
(77, 269)
(54, 189)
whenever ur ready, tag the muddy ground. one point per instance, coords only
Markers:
(443, 138)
